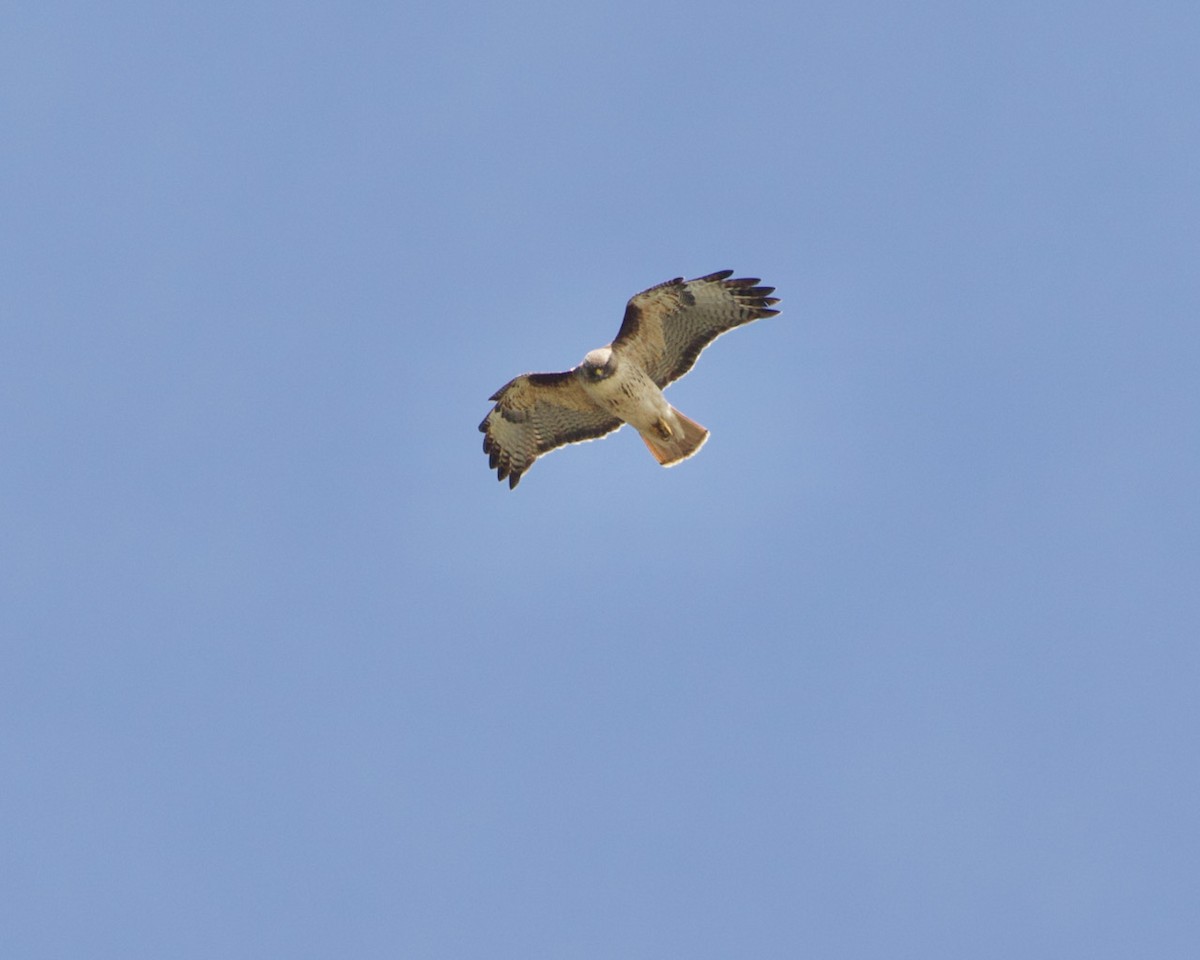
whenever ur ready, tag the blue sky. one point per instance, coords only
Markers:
(903, 664)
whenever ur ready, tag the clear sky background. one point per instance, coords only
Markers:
(903, 664)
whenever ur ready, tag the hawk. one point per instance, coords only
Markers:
(663, 332)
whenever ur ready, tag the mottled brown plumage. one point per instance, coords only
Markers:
(664, 330)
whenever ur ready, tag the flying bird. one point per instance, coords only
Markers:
(663, 332)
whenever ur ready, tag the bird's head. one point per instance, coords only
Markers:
(599, 364)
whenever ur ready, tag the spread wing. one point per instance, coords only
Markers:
(667, 326)
(534, 413)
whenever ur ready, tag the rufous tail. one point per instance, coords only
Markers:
(669, 444)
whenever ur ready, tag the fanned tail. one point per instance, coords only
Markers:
(680, 444)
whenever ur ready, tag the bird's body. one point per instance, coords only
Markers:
(664, 330)
(627, 392)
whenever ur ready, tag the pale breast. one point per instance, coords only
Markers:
(630, 395)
